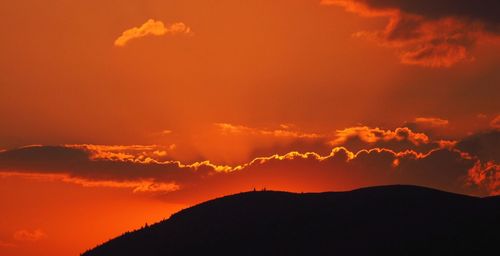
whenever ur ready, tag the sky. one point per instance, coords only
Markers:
(120, 113)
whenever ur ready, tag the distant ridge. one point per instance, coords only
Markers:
(385, 220)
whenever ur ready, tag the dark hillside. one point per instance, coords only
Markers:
(388, 220)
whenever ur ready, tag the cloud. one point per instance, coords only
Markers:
(495, 123)
(142, 185)
(31, 236)
(484, 145)
(431, 121)
(362, 137)
(134, 153)
(151, 27)
(284, 131)
(481, 116)
(287, 138)
(166, 132)
(398, 156)
(234, 144)
(6, 244)
(437, 33)
(77, 165)
(341, 169)
(486, 176)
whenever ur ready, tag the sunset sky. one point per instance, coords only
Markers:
(118, 113)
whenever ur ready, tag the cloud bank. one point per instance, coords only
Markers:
(389, 157)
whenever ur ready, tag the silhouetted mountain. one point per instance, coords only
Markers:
(388, 220)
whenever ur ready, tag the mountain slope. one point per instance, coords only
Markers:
(388, 220)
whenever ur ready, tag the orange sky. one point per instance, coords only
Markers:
(116, 114)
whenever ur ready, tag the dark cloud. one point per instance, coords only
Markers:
(31, 236)
(484, 145)
(361, 156)
(485, 11)
(281, 141)
(495, 122)
(77, 164)
(442, 168)
(437, 33)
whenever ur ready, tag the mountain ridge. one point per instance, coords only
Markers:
(390, 220)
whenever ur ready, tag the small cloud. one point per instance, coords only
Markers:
(31, 236)
(137, 186)
(160, 152)
(495, 123)
(6, 244)
(152, 27)
(156, 187)
(432, 121)
(165, 132)
(134, 153)
(284, 131)
(481, 116)
(372, 136)
(287, 126)
(486, 176)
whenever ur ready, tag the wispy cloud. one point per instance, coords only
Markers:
(495, 122)
(486, 175)
(7, 244)
(284, 131)
(31, 236)
(432, 121)
(437, 33)
(134, 153)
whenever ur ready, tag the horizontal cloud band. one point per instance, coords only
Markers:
(448, 168)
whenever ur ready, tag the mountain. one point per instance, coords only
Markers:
(386, 220)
